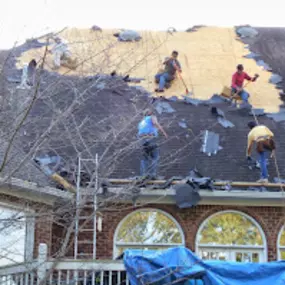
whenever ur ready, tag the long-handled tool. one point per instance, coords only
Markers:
(246, 84)
(181, 78)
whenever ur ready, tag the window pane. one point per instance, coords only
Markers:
(12, 236)
(230, 229)
(213, 255)
(149, 227)
(121, 249)
(283, 255)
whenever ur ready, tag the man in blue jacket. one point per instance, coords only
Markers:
(147, 134)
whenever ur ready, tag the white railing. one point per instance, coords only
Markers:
(61, 272)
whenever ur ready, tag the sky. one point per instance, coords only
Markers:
(21, 19)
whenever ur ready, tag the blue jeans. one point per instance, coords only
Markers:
(263, 164)
(162, 78)
(150, 157)
(244, 95)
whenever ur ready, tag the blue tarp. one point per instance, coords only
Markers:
(176, 265)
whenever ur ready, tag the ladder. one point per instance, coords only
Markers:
(85, 217)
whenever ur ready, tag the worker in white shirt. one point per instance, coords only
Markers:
(61, 52)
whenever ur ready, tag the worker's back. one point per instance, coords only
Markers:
(146, 127)
(258, 132)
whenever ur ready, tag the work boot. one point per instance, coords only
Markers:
(262, 180)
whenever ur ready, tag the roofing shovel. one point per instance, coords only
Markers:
(246, 84)
(181, 78)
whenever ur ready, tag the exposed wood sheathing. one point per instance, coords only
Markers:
(208, 58)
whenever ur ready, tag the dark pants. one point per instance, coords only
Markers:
(150, 157)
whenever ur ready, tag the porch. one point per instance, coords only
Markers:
(64, 271)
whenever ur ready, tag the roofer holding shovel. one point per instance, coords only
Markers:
(147, 134)
(264, 144)
(171, 66)
(237, 83)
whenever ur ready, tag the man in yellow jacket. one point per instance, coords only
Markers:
(264, 143)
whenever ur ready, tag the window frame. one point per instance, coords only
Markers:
(162, 245)
(29, 228)
(232, 249)
(278, 246)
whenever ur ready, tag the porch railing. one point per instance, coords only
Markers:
(61, 272)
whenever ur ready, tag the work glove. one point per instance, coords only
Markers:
(255, 77)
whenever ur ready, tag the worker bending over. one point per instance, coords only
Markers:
(171, 66)
(147, 134)
(237, 83)
(264, 144)
(62, 54)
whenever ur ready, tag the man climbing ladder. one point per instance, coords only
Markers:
(147, 134)
(264, 144)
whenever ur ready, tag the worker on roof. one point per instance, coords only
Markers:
(264, 144)
(147, 134)
(171, 66)
(62, 54)
(28, 75)
(237, 83)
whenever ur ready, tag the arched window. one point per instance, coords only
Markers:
(281, 244)
(147, 229)
(231, 235)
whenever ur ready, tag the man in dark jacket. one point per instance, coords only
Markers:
(171, 66)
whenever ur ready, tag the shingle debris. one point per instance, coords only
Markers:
(210, 143)
(221, 118)
(277, 117)
(216, 99)
(225, 123)
(247, 32)
(275, 78)
(251, 55)
(164, 107)
(192, 101)
(128, 36)
(278, 180)
(187, 195)
(257, 112)
(263, 64)
(182, 124)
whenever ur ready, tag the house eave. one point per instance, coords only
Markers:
(31, 191)
(216, 197)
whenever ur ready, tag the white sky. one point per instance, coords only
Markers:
(16, 22)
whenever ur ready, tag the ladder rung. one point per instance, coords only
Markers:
(84, 218)
(85, 242)
(85, 230)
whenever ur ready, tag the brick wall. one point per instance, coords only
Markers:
(270, 219)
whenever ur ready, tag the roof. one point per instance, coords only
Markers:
(99, 114)
(208, 57)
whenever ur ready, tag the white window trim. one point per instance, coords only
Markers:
(262, 248)
(115, 244)
(30, 228)
(278, 246)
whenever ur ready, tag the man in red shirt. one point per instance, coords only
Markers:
(237, 82)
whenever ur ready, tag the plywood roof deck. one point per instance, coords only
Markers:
(208, 58)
